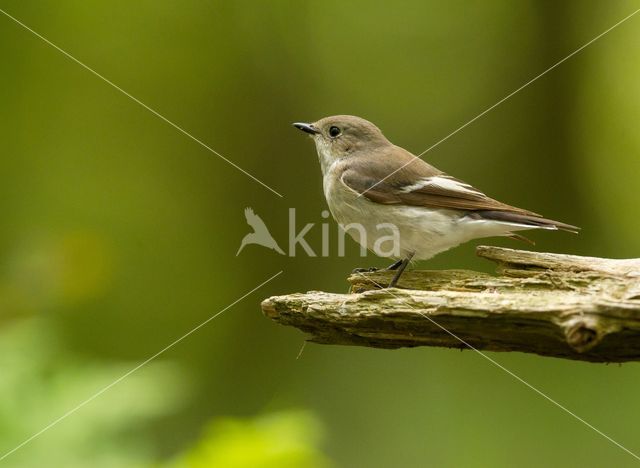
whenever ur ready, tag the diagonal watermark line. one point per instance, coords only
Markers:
(138, 101)
(500, 366)
(124, 376)
(489, 109)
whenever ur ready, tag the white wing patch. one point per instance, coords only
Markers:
(444, 183)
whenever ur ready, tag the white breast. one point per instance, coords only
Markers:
(423, 231)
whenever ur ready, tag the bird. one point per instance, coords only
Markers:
(260, 234)
(369, 182)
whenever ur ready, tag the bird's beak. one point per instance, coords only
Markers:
(305, 127)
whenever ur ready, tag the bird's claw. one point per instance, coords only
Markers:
(364, 270)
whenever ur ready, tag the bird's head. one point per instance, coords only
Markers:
(341, 136)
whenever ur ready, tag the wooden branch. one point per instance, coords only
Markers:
(564, 306)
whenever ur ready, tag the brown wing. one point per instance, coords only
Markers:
(411, 181)
(406, 180)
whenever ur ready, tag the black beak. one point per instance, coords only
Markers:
(305, 127)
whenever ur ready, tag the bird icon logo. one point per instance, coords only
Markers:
(260, 235)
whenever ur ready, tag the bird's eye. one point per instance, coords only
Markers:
(334, 132)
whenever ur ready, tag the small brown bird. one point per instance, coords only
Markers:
(397, 205)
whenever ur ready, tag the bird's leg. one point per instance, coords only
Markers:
(400, 270)
(394, 266)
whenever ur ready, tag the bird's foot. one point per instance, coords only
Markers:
(364, 270)
(392, 267)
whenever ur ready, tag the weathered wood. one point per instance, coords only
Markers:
(564, 306)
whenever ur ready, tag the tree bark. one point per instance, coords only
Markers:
(564, 306)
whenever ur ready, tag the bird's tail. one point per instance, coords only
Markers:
(526, 220)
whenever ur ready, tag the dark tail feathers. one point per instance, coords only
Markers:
(527, 220)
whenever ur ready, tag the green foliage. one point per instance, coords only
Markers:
(40, 382)
(277, 440)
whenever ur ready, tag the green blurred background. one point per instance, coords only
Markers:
(119, 233)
